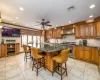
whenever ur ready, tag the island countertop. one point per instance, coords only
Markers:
(48, 47)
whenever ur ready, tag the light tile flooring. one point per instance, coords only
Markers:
(14, 68)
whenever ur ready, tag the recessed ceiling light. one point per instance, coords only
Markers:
(70, 22)
(14, 22)
(92, 6)
(21, 8)
(17, 18)
(90, 16)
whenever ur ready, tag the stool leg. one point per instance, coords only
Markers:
(66, 69)
(53, 69)
(26, 56)
(33, 64)
(37, 68)
(61, 71)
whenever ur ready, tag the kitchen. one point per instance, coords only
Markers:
(50, 40)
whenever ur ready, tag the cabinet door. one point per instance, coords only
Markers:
(87, 56)
(87, 31)
(0, 50)
(82, 31)
(98, 29)
(59, 33)
(95, 56)
(77, 31)
(76, 52)
(81, 53)
(3, 50)
(54, 33)
(17, 48)
(91, 30)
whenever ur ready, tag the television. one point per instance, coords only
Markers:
(10, 32)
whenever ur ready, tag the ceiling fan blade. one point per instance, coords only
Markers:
(47, 22)
(38, 22)
(48, 25)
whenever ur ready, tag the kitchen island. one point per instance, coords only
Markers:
(50, 50)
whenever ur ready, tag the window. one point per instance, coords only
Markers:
(30, 39)
(24, 39)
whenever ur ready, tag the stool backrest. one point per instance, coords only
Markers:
(64, 54)
(25, 47)
(34, 52)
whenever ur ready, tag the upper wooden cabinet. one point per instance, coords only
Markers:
(49, 33)
(85, 31)
(58, 32)
(77, 31)
(98, 29)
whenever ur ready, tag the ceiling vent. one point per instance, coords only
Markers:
(71, 8)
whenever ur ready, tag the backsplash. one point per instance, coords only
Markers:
(71, 38)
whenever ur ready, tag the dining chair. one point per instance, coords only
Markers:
(27, 52)
(60, 59)
(38, 59)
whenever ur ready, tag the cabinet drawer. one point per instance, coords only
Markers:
(87, 48)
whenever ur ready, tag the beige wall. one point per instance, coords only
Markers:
(18, 39)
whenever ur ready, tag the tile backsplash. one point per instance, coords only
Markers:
(71, 38)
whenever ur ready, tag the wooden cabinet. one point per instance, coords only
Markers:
(49, 33)
(77, 31)
(0, 50)
(58, 32)
(98, 29)
(85, 31)
(54, 33)
(3, 50)
(82, 31)
(89, 54)
(7, 49)
(17, 48)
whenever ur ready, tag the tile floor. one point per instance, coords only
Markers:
(14, 68)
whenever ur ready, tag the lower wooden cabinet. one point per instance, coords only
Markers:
(88, 54)
(5, 49)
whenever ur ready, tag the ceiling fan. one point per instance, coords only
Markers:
(44, 23)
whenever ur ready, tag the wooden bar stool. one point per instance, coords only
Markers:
(60, 59)
(38, 59)
(27, 52)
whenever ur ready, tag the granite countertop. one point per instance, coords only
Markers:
(49, 47)
(89, 46)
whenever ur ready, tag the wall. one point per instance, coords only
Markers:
(18, 39)
(71, 38)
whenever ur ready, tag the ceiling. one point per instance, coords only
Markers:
(56, 11)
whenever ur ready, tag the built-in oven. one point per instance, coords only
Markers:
(71, 46)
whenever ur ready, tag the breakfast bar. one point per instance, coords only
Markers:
(50, 51)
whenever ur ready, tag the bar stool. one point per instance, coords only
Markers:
(60, 59)
(27, 52)
(37, 59)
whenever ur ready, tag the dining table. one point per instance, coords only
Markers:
(51, 50)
